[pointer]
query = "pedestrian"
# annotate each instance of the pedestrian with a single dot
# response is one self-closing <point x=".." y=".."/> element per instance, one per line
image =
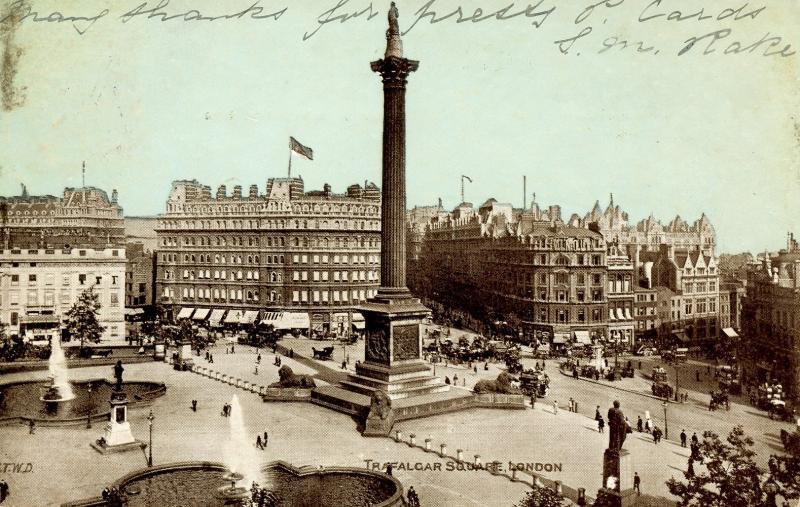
<point x="255" y="372"/>
<point x="690" y="470"/>
<point x="455" y="378"/>
<point x="413" y="499"/>
<point x="3" y="491"/>
<point x="697" y="375"/>
<point x="637" y="482"/>
<point x="683" y="438"/>
<point x="447" y="380"/>
<point x="575" y="373"/>
<point x="600" y="424"/>
<point x="344" y="364"/>
<point x="596" y="375"/>
<point x="597" y="415"/>
<point x="266" y="438"/>
<point x="233" y="350"/>
<point x="533" y="400"/>
<point x="194" y="405"/>
<point x="475" y="369"/>
<point x="639" y="424"/>
<point x="571" y="405"/>
<point x="211" y="358"/>
<point x="259" y="445"/>
<point x="555" y="407"/>
<point x="389" y="469"/>
<point x="695" y="440"/>
<point x="258" y="359"/>
<point x="31" y="427"/>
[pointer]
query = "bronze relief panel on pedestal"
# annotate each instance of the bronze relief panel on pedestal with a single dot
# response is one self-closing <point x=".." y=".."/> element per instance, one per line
<point x="406" y="342"/>
<point x="377" y="346"/>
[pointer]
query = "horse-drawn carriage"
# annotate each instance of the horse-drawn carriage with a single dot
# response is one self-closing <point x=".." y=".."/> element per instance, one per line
<point x="534" y="382"/>
<point x="659" y="374"/>
<point x="779" y="410"/>
<point x="719" y="399"/>
<point x="661" y="389"/>
<point x="324" y="353"/>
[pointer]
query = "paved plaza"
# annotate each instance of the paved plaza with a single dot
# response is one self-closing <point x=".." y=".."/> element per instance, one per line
<point x="305" y="434"/>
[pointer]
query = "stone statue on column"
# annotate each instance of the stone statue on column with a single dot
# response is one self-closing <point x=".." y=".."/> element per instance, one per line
<point x="617" y="426"/>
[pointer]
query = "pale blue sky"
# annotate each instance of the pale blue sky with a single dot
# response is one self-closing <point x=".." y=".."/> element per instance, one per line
<point x="146" y="102"/>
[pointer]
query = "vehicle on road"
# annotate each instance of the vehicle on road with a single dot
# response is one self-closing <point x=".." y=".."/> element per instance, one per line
<point x="662" y="389"/>
<point x="646" y="351"/>
<point x="659" y="374"/>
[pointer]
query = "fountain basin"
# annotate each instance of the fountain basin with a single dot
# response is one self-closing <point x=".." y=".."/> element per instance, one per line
<point x="22" y="401"/>
<point x="197" y="484"/>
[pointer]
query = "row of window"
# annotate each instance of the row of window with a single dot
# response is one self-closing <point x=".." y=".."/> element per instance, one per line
<point x="335" y="296"/>
<point x="254" y="241"/>
<point x="66" y="279"/>
<point x="48" y="298"/>
<point x="699" y="287"/>
<point x="562" y="315"/>
<point x="342" y="276"/>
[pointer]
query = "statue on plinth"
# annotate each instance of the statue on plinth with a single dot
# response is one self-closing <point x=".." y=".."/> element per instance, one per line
<point x="617" y="426"/>
<point x="118" y="369"/>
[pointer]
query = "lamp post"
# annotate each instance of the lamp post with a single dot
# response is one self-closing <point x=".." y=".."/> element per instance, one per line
<point x="666" y="426"/>
<point x="89" y="409"/>
<point x="150" y="447"/>
<point x="677" y="379"/>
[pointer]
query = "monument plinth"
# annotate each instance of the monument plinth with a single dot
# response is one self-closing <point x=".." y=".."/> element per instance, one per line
<point x="617" y="487"/>
<point x="117" y="436"/>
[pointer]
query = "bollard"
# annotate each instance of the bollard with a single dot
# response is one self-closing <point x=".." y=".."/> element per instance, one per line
<point x="557" y="487"/>
<point x="459" y="455"/>
<point x="477" y="460"/>
<point x="514" y="474"/>
<point x="398" y="436"/>
<point x="443" y="449"/>
<point x="427" y="444"/>
<point x="411" y="440"/>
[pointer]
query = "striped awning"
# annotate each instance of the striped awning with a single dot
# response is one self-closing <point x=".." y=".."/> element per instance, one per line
<point x="582" y="336"/>
<point x="39" y="319"/>
<point x="185" y="312"/>
<point x="201" y="313"/>
<point x="271" y="318"/>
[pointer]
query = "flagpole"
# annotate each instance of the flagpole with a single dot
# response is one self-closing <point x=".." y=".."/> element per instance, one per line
<point x="290" y="162"/>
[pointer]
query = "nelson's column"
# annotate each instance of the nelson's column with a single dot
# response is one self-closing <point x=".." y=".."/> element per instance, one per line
<point x="393" y="377"/>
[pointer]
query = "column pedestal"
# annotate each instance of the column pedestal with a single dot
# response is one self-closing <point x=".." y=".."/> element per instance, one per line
<point x="117" y="436"/>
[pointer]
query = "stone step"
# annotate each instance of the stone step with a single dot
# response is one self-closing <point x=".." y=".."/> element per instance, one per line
<point x="396" y="392"/>
<point x="419" y="380"/>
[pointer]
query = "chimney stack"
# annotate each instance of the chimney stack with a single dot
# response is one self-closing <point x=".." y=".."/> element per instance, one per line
<point x="222" y="192"/>
<point x="253" y="191"/>
<point x="237" y="192"/>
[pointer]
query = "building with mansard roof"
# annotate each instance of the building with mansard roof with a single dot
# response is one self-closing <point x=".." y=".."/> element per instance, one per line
<point x="497" y="260"/>
<point x="295" y="259"/>
<point x="53" y="248"/>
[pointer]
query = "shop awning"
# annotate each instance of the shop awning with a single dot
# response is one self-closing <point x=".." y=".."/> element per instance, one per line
<point x="357" y="317"/>
<point x="185" y="312"/>
<point x="39" y="319"/>
<point x="134" y="311"/>
<point x="582" y="337"/>
<point x="201" y="313"/>
<point x="248" y="317"/>
<point x="611" y="315"/>
<point x="271" y="318"/>
<point x="297" y="320"/>
<point x="216" y="316"/>
<point x="233" y="316"/>
<point x="359" y="324"/>
<point x="620" y="315"/>
<point x="628" y="314"/>
<point x="560" y="337"/>
<point x="681" y="336"/>
<point x="730" y="332"/>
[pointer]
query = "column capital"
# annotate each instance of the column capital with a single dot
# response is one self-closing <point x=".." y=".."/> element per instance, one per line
<point x="394" y="70"/>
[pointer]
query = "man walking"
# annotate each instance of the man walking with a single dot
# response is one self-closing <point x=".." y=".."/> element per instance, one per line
<point x="597" y="415"/>
<point x="683" y="438"/>
<point x="637" y="482"/>
<point x="266" y="438"/>
<point x="259" y="445"/>
<point x="639" y="424"/>
<point x="600" y="424"/>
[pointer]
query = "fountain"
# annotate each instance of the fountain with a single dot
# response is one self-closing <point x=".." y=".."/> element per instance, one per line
<point x="240" y="456"/>
<point x="60" y="389"/>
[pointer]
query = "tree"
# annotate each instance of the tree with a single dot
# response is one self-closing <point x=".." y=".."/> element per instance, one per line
<point x="540" y="496"/>
<point x="82" y="320"/>
<point x="730" y="477"/>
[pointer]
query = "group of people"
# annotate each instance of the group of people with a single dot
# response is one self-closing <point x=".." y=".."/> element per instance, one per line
<point x="209" y="357"/>
<point x="412" y="499"/>
<point x="113" y="497"/>
<point x="226" y="410"/>
<point x="262" y="444"/>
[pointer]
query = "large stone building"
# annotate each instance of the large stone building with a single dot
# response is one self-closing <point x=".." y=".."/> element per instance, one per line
<point x="552" y="275"/>
<point x="312" y="256"/>
<point x="53" y="249"/>
<point x="771" y="321"/>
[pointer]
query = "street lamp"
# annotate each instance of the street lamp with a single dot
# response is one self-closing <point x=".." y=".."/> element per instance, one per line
<point x="89" y="409"/>
<point x="677" y="384"/>
<point x="150" y="447"/>
<point x="666" y="426"/>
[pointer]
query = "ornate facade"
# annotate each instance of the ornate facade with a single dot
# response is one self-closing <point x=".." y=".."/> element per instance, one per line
<point x="53" y="249"/>
<point x="315" y="254"/>
<point x="771" y="321"/>
<point x="552" y="275"/>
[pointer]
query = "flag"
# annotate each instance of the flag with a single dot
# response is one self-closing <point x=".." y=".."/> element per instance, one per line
<point x="298" y="148"/>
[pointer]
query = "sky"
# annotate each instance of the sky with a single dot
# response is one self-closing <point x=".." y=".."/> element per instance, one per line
<point x="145" y="101"/>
